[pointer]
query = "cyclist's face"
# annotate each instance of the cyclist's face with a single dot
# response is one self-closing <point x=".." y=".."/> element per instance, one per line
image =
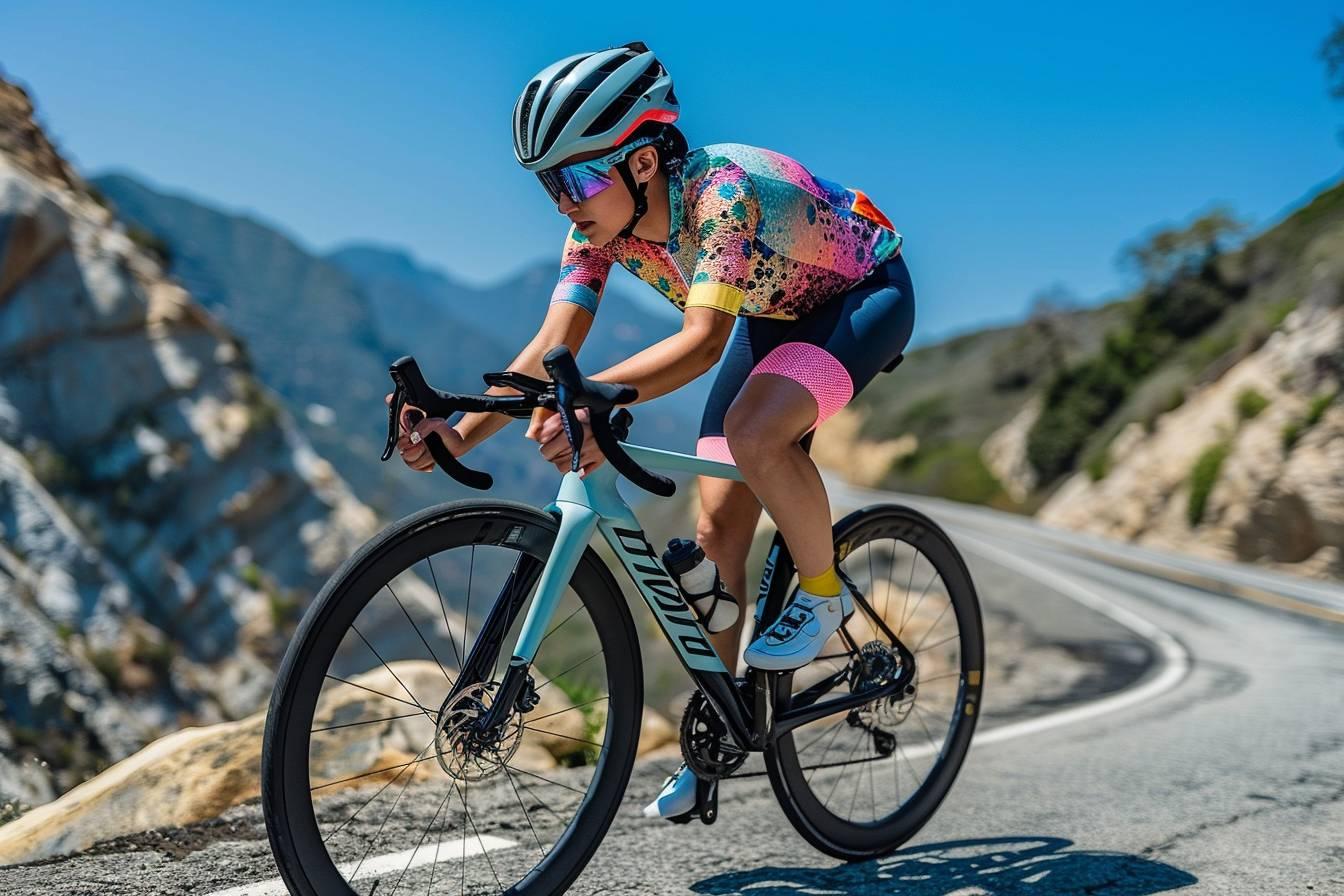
<point x="601" y="217"/>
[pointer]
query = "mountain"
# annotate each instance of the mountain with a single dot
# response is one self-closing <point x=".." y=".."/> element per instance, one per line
<point x="162" y="520"/>
<point x="405" y="293"/>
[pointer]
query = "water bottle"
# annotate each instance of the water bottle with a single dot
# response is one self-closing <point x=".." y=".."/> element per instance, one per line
<point x="698" y="578"/>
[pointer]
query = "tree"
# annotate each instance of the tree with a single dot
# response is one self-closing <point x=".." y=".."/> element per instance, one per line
<point x="1165" y="254"/>
<point x="1332" y="53"/>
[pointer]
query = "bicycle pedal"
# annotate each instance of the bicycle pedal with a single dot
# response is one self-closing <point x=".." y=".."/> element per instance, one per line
<point x="707" y="801"/>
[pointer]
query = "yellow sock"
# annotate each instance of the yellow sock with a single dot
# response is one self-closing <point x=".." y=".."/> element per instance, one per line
<point x="825" y="585"/>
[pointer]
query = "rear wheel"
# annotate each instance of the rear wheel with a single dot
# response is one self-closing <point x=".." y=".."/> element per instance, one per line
<point x="859" y="784"/>
<point x="375" y="770"/>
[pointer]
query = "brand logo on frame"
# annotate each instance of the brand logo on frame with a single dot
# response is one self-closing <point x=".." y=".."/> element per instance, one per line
<point x="665" y="599"/>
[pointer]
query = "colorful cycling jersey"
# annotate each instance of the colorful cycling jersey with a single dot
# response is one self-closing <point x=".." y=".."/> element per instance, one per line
<point x="752" y="232"/>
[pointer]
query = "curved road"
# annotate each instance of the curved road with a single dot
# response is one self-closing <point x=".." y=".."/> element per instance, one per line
<point x="1218" y="769"/>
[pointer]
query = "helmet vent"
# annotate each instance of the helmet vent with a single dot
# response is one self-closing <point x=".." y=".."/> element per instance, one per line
<point x="621" y="106"/>
<point x="520" y="126"/>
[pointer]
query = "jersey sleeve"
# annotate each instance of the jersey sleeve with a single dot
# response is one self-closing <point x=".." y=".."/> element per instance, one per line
<point x="583" y="272"/>
<point x="724" y="217"/>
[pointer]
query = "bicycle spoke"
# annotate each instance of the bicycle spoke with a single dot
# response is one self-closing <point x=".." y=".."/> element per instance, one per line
<point x="437" y="843"/>
<point x="421" y="635"/>
<point x="538" y="688"/>
<point x="560" y="712"/>
<point x="376" y="794"/>
<point x="379" y="832"/>
<point x="519" y="798"/>
<point x="369" y="774"/>
<point x="951" y="637"/>
<point x="409" y="715"/>
<point x="429" y="561"/>
<point x="485" y="852"/>
<point x="839" y="778"/>
<point x="905" y="601"/>
<point x="900" y="631"/>
<point x="420" y="843"/>
<point x="532" y="793"/>
<point x="422" y="709"/>
<point x="354" y="628"/>
<point x="932" y="627"/>
<point x="556" y="628"/>
<point x="558" y="734"/>
<point x="541" y="778"/>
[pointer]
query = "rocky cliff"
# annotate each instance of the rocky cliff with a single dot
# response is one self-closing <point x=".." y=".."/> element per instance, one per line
<point x="161" y="519"/>
<point x="1250" y="467"/>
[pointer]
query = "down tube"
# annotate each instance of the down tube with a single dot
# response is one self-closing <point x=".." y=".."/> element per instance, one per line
<point x="655" y="584"/>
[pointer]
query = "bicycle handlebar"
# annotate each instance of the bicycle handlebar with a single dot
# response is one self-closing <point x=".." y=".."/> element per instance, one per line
<point x="566" y="392"/>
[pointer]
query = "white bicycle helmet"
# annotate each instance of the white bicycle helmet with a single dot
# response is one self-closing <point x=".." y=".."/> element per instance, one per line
<point x="590" y="101"/>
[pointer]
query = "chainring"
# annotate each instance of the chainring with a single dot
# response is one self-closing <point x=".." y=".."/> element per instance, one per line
<point x="706" y="745"/>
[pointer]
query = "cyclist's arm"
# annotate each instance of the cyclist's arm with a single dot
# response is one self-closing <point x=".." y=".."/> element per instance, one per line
<point x="583" y="275"/>
<point x="566" y="323"/>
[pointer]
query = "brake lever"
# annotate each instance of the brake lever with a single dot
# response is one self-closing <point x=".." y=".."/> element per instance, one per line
<point x="393" y="419"/>
<point x="569" y="419"/>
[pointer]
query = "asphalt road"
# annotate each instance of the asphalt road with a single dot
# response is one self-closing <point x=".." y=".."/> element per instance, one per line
<point x="1212" y="762"/>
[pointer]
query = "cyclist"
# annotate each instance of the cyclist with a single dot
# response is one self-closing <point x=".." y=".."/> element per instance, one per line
<point x="796" y="282"/>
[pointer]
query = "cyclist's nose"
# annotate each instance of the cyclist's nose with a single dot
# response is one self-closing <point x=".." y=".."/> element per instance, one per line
<point x="564" y="205"/>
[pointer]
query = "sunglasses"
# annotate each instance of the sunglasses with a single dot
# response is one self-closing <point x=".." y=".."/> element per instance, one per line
<point x="584" y="180"/>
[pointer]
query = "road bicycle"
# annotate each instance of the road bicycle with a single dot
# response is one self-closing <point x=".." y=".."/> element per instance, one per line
<point x="498" y="761"/>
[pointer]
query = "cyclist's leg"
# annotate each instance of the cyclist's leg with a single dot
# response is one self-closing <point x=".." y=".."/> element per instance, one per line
<point x="729" y="510"/>
<point x="824" y="360"/>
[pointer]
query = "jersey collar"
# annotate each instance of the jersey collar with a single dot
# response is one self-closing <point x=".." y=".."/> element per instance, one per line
<point x="675" y="192"/>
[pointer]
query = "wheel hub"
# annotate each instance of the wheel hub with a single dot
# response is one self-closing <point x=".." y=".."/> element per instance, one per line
<point x="878" y="666"/>
<point x="466" y="751"/>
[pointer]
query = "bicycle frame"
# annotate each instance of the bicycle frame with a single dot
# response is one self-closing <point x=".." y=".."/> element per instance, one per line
<point x="593" y="503"/>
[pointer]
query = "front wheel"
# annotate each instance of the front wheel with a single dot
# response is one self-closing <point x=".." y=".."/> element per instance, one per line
<point x="859" y="784"/>
<point x="378" y="772"/>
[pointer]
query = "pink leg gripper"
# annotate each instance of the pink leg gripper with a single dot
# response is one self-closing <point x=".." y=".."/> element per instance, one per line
<point x="714" y="448"/>
<point x="817" y="370"/>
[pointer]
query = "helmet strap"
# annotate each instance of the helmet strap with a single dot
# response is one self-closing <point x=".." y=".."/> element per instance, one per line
<point x="636" y="193"/>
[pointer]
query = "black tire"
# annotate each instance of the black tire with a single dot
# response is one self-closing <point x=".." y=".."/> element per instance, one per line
<point x="836" y="832"/>
<point x="292" y="822"/>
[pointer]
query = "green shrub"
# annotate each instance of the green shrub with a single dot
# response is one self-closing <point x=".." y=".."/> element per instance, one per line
<point x="1203" y="475"/>
<point x="108" y="666"/>
<point x="1250" y="403"/>
<point x="1293" y="429"/>
<point x="1291" y="432"/>
<point x="950" y="470"/>
<point x="251" y="576"/>
<point x="1276" y="313"/>
<point x="1099" y="465"/>
<point x="1316" y="410"/>
<point x="927" y="415"/>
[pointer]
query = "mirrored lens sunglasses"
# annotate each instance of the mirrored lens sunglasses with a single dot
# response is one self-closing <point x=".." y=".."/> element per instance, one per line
<point x="584" y="180"/>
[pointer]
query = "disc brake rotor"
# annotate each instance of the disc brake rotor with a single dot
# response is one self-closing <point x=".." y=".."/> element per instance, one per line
<point x="463" y="750"/>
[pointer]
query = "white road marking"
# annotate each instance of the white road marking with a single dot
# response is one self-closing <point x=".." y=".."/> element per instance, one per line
<point x="447" y="851"/>
<point x="1175" y="659"/>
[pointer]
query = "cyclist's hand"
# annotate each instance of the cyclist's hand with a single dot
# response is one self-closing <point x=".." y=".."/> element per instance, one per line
<point x="412" y="445"/>
<point x="550" y="432"/>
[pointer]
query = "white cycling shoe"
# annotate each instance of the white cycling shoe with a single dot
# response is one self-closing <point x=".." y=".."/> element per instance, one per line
<point x="802" y="629"/>
<point x="677" y="797"/>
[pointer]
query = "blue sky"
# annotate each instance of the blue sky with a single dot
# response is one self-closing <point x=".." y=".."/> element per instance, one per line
<point x="1014" y="145"/>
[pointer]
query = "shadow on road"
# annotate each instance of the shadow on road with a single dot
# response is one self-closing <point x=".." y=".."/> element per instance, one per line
<point x="1000" y="866"/>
